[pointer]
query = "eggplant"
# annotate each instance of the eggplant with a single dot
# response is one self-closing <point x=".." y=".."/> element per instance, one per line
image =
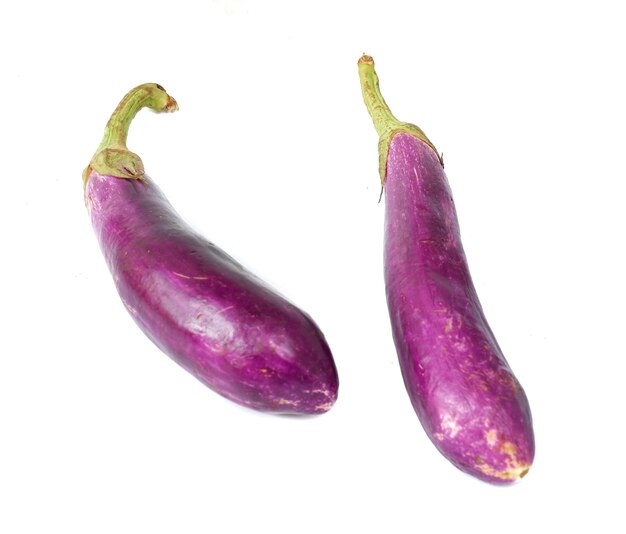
<point x="196" y="303"/>
<point x="464" y="392"/>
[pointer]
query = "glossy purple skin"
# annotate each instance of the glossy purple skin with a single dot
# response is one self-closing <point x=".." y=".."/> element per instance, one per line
<point x="465" y="394"/>
<point x="203" y="309"/>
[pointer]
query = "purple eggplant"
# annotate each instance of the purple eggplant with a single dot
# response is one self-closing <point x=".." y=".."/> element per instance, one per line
<point x="465" y="395"/>
<point x="197" y="304"/>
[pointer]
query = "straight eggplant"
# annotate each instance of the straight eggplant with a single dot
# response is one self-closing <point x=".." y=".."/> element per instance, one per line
<point x="465" y="395"/>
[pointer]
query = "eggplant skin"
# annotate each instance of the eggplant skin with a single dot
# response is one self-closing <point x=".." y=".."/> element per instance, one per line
<point x="203" y="309"/>
<point x="466" y="397"/>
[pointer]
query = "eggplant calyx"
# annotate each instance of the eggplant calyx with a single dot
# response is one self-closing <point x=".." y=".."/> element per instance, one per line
<point x="385" y="123"/>
<point x="113" y="157"/>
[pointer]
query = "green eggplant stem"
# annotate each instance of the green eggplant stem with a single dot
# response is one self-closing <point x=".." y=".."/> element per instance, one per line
<point x="385" y="123"/>
<point x="113" y="157"/>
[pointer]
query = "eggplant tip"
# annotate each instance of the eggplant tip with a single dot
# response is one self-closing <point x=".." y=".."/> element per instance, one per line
<point x="511" y="475"/>
<point x="524" y="472"/>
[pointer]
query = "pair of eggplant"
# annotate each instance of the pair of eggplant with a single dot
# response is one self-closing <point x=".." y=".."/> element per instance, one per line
<point x="251" y="345"/>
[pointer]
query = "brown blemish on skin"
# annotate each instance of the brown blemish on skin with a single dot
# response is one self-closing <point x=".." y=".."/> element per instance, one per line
<point x="492" y="437"/>
<point x="482" y="383"/>
<point x="514" y="470"/>
<point x="490" y="374"/>
<point x="512" y="473"/>
<point x="509" y="449"/>
<point x="507" y="380"/>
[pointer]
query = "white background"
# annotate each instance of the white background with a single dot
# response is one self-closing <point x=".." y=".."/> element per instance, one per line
<point x="273" y="157"/>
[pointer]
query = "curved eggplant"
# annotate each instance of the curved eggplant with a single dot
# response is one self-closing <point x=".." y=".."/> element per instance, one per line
<point x="196" y="303"/>
<point x="466" y="396"/>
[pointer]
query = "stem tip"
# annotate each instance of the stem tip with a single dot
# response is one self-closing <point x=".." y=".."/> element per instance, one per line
<point x="366" y="60"/>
